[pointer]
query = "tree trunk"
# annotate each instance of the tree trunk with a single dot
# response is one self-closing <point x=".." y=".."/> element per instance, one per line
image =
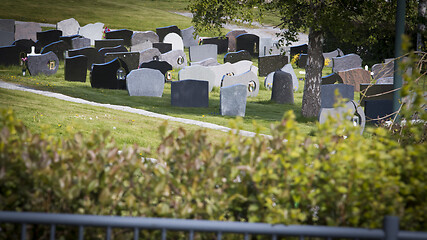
<point x="313" y="76"/>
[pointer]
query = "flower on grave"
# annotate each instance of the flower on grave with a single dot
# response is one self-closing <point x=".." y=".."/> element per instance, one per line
<point x="327" y="61"/>
<point x="295" y="58"/>
<point x="24" y="59"/>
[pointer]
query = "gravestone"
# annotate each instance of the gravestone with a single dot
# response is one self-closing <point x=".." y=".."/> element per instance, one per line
<point x="189" y="93"/>
<point x="282" y="90"/>
<point x="105" y="50"/>
<point x="162" y="66"/>
<point x="47" y="64"/>
<point x="104" y="43"/>
<point x="145" y="82"/>
<point x="355" y="77"/>
<point x="80" y="42"/>
<point x="331" y="79"/>
<point x="329" y="55"/>
<point x="6" y="38"/>
<point x="149" y="55"/>
<point x="207" y="62"/>
<point x="27" y="30"/>
<point x="106" y="75"/>
<point x="7" y="25"/>
<point x="265" y="45"/>
<point x="24" y="45"/>
<point x="93" y="31"/>
<point x="163" y="31"/>
<point x="268" y="64"/>
<point x="248" y="42"/>
<point x="176" y="58"/>
<point x="242" y="67"/>
<point x="268" y="81"/>
<point x="299" y="49"/>
<point x="163" y="47"/>
<point x="75" y="69"/>
<point x="220" y="71"/>
<point x="175" y="40"/>
<point x="327" y="94"/>
<point x="385" y="80"/>
<point x="303" y="60"/>
<point x="233" y="57"/>
<point x="340" y="114"/>
<point x="130" y="58"/>
<point x="68" y="38"/>
<point x="46" y="37"/>
<point x="142" y="37"/>
<point x="201" y="52"/>
<point x="232" y="39"/>
<point x="232" y="100"/>
<point x="375" y="92"/>
<point x="188" y="37"/>
<point x="375" y="109"/>
<point x="382" y="70"/>
<point x="124" y="34"/>
<point x="346" y="62"/>
<point x="68" y="27"/>
<point x="91" y="53"/>
<point x="289" y="69"/>
<point x="142" y="46"/>
<point x="58" y="48"/>
<point x="198" y="72"/>
<point x="9" y="55"/>
<point x="221" y="43"/>
<point x="277" y="49"/>
<point x="249" y="79"/>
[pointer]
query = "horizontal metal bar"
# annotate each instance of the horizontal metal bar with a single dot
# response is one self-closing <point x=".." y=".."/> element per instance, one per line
<point x="407" y="235"/>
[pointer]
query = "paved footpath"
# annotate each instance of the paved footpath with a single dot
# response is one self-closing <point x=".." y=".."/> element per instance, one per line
<point x="12" y="86"/>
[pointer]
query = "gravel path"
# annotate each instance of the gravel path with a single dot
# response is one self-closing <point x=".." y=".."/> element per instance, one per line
<point x="12" y="86"/>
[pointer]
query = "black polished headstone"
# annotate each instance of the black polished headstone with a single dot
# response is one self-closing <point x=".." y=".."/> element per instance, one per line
<point x="331" y="79"/>
<point x="46" y="37"/>
<point x="303" y="60"/>
<point x="105" y="75"/>
<point x="303" y="48"/>
<point x="282" y="90"/>
<point x="233" y="57"/>
<point x="108" y="43"/>
<point x="268" y="64"/>
<point x="248" y="42"/>
<point x="47" y="64"/>
<point x="162" y="66"/>
<point x="58" y="48"/>
<point x="24" y="45"/>
<point x="9" y="55"/>
<point x="163" y="47"/>
<point x="130" y="58"/>
<point x="375" y="109"/>
<point x="375" y="92"/>
<point x="190" y="93"/>
<point x="68" y="39"/>
<point x="222" y="43"/>
<point x="75" y="68"/>
<point x="163" y="31"/>
<point x="105" y="50"/>
<point x="124" y="34"/>
<point x="91" y="53"/>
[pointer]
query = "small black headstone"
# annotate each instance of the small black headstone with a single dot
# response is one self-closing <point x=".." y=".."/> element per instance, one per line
<point x="190" y="93"/>
<point x="9" y="55"/>
<point x="46" y="37"/>
<point x="124" y="34"/>
<point x="130" y="58"/>
<point x="331" y="79"/>
<point x="302" y="61"/>
<point x="107" y="75"/>
<point x="233" y="57"/>
<point x="24" y="45"/>
<point x="163" y="31"/>
<point x="163" y="47"/>
<point x="108" y="43"/>
<point x="248" y="42"/>
<point x="384" y="92"/>
<point x="375" y="109"/>
<point x="162" y="66"/>
<point x="283" y="90"/>
<point x="58" y="48"/>
<point x="303" y="48"/>
<point x="91" y="53"/>
<point x="222" y="43"/>
<point x="75" y="68"/>
<point x="68" y="39"/>
<point x="268" y="64"/>
<point x="105" y="50"/>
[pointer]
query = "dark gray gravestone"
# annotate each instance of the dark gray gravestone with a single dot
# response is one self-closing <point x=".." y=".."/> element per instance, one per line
<point x="384" y="92"/>
<point x="47" y="64"/>
<point x="105" y="50"/>
<point x="149" y="55"/>
<point x="188" y="37"/>
<point x="268" y="64"/>
<point x="142" y="37"/>
<point x="108" y="43"/>
<point x="289" y="69"/>
<point x="80" y="42"/>
<point x="233" y="100"/>
<point x="248" y="42"/>
<point x="145" y="82"/>
<point x="106" y="75"/>
<point x="189" y="93"/>
<point x="331" y="79"/>
<point x="124" y="34"/>
<point x="6" y="38"/>
<point x="163" y="31"/>
<point x="375" y="109"/>
<point x="282" y="90"/>
<point x="27" y="30"/>
<point x="75" y="69"/>
<point x="7" y="25"/>
<point x="176" y="58"/>
<point x="163" y="47"/>
<point x="162" y="66"/>
<point x="249" y="79"/>
<point x="58" y="48"/>
<point x="9" y="55"/>
<point x="222" y="43"/>
<point x="68" y="39"/>
<point x="130" y="58"/>
<point x="46" y="37"/>
<point x="302" y="61"/>
<point x="232" y="39"/>
<point x="383" y="70"/>
<point x="91" y="53"/>
<point x="303" y="48"/>
<point x="24" y="45"/>
<point x="201" y="52"/>
<point x="327" y="94"/>
<point x="233" y="57"/>
<point x="346" y="62"/>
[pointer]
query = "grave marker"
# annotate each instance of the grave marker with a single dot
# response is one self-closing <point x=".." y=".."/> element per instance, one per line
<point x="163" y="47"/>
<point x="248" y="42"/>
<point x="232" y="39"/>
<point x="282" y="90"/>
<point x="176" y="58"/>
<point x="142" y="37"/>
<point x="93" y="31"/>
<point x="149" y="55"/>
<point x="124" y="34"/>
<point x="233" y="57"/>
<point x="327" y="94"/>
<point x="103" y="43"/>
<point x="188" y="38"/>
<point x="110" y="75"/>
<point x="91" y="53"/>
<point x="201" y="52"/>
<point x="189" y="93"/>
<point x="346" y="62"/>
<point x="45" y="63"/>
<point x="163" y="31"/>
<point x="221" y="43"/>
<point x="9" y="55"/>
<point x="68" y="27"/>
<point x="355" y="77"/>
<point x="27" y="30"/>
<point x="233" y="100"/>
<point x="268" y="64"/>
<point x="75" y="68"/>
<point x="58" y="48"/>
<point x="162" y="66"/>
<point x="130" y="58"/>
<point x="145" y="82"/>
<point x="198" y="72"/>
<point x="249" y="79"/>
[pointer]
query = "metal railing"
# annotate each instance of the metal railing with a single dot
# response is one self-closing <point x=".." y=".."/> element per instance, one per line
<point x="390" y="229"/>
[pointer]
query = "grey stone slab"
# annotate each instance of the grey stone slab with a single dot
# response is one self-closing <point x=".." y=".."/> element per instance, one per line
<point x="7" y="25"/>
<point x="242" y="66"/>
<point x="163" y="31"/>
<point x="58" y="48"/>
<point x="124" y="34"/>
<point x="130" y="58"/>
<point x="47" y="64"/>
<point x="198" y="72"/>
<point x="233" y="100"/>
<point x="282" y="90"/>
<point x="383" y="70"/>
<point x="104" y="43"/>
<point x="327" y="94"/>
<point x="6" y="38"/>
<point x="141" y="46"/>
<point x="93" y="31"/>
<point x="268" y="64"/>
<point x="249" y="79"/>
<point x="232" y="39"/>
<point x="176" y="58"/>
<point x="265" y="45"/>
<point x="346" y="62"/>
<point x="189" y="93"/>
<point x="175" y="40"/>
<point x="80" y="42"/>
<point x="207" y="62"/>
<point x="289" y="69"/>
<point x="329" y="55"/>
<point x="68" y="26"/>
<point x="340" y="114"/>
<point x="145" y="82"/>
<point x="149" y="55"/>
<point x="75" y="68"/>
<point x="201" y="52"/>
<point x="142" y="37"/>
<point x="188" y="37"/>
<point x="27" y="30"/>
<point x="220" y="71"/>
<point x="331" y="79"/>
<point x="233" y="57"/>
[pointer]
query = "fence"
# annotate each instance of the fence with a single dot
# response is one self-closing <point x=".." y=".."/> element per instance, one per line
<point x="390" y="229"/>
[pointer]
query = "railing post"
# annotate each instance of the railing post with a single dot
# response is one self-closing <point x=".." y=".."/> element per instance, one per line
<point x="108" y="235"/>
<point x="274" y="237"/>
<point x="191" y="235"/>
<point x="52" y="231"/>
<point x="391" y="227"/>
<point x="135" y="234"/>
<point x="81" y="232"/>
<point x="163" y="234"/>
<point x="219" y="236"/>
<point x="23" y="231"/>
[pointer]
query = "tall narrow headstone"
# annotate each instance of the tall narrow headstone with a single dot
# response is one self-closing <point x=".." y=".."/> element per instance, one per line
<point x="282" y="91"/>
<point x="233" y="100"/>
<point x="75" y="68"/>
<point x="289" y="69"/>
